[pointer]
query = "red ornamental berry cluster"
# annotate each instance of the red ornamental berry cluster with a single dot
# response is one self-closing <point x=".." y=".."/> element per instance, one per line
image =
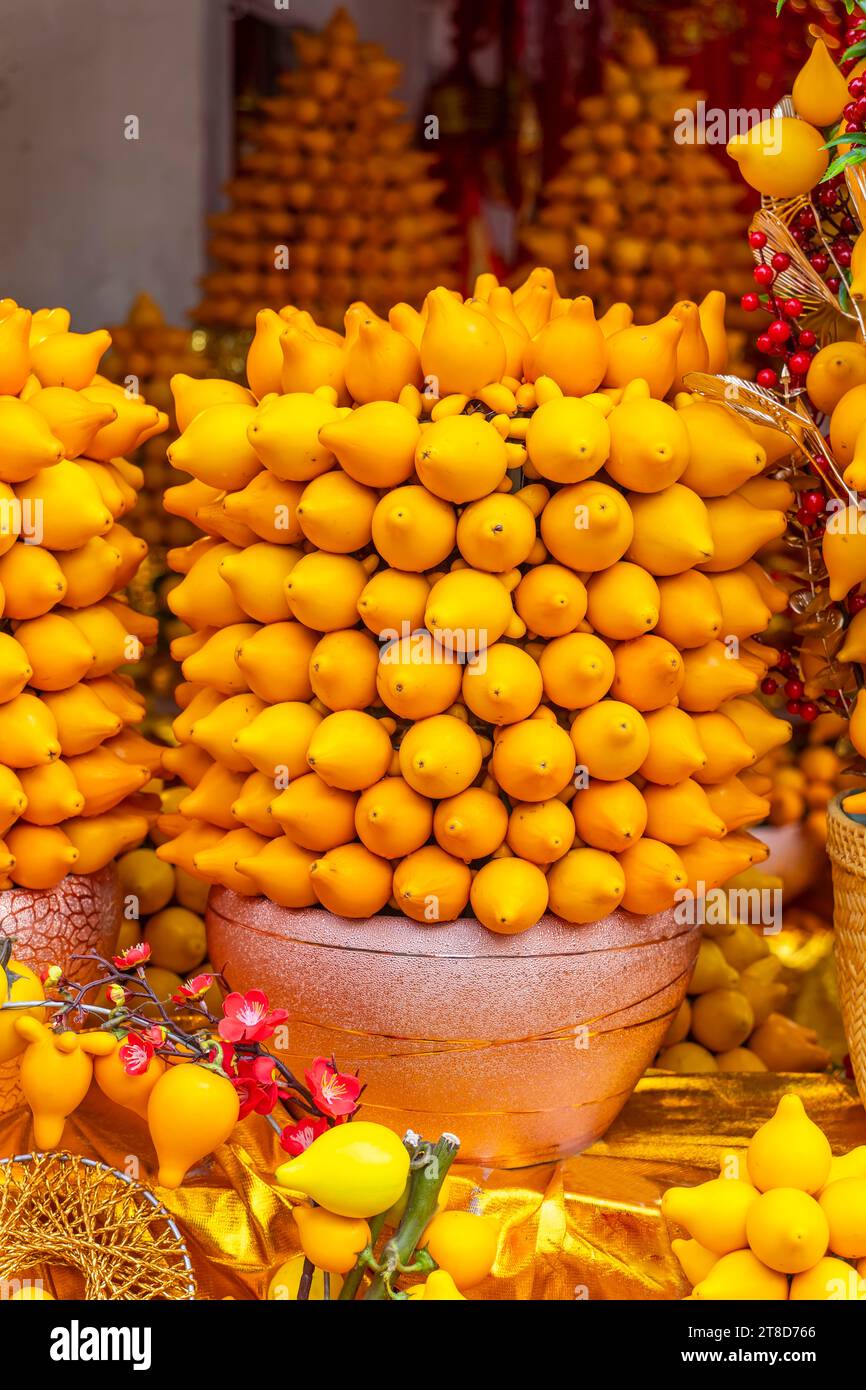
<point x="793" y="688"/>
<point x="811" y="511"/>
<point x="781" y="339"/>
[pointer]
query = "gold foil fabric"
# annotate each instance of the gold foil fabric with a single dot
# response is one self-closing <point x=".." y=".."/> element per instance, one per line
<point x="587" y="1228"/>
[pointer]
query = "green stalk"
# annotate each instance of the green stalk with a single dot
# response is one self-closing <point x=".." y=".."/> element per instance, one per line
<point x="429" y="1169"/>
<point x="352" y="1281"/>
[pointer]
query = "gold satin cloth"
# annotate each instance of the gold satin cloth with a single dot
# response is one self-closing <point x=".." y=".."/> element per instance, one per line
<point x="589" y="1227"/>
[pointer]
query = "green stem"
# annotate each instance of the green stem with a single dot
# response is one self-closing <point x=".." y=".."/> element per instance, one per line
<point x="353" y="1279"/>
<point x="428" y="1172"/>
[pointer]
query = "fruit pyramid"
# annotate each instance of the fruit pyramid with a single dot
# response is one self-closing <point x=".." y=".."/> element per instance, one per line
<point x="71" y="762"/>
<point x="487" y="645"/>
<point x="331" y="184"/>
<point x="656" y="218"/>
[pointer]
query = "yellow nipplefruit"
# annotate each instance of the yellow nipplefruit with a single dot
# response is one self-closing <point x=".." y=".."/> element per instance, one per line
<point x="789" y="1150"/>
<point x="350" y="750"/>
<point x="412" y="678"/>
<point x="503" y="684"/>
<point x="431" y="885"/>
<point x="649" y="672"/>
<point x="462" y="350"/>
<point x="440" y="756"/>
<point x="843" y="1204"/>
<point x="610" y="740"/>
<point x="374" y="444"/>
<point x="471" y="825"/>
<point x="541" y="831"/>
<point x="623" y="601"/>
<point x="68" y="359"/>
<point x="820" y="91"/>
<point x="577" y="670"/>
<point x="336" y="513"/>
<point x="835" y="369"/>
<point x="380" y="362"/>
<point x="648" y="351"/>
<point x="740" y="1276"/>
<point x="690" y="610"/>
<point x="468" y="610"/>
<point x="496" y="533"/>
<point x="533" y="760"/>
<point x="412" y="529"/>
<point x="586" y="885"/>
<point x="587" y="526"/>
<point x="780" y="157"/>
<point x="681" y="813"/>
<point x="281" y="870"/>
<point x="351" y="881"/>
<point x="671" y="530"/>
<point x="649" y="445"/>
<point x="723" y="453"/>
<point x="284" y="434"/>
<point x="609" y="815"/>
<point x="570" y="349"/>
<point x="392" y="819"/>
<point x="461" y="457"/>
<point x="550" y="599"/>
<point x="787" y="1230"/>
<point x="509" y="895"/>
<point x="654" y="873"/>
<point x="275" y="661"/>
<point x="567" y="439"/>
<point x="714" y="1213"/>
<point x="323" y="590"/>
<point x="314" y="815"/>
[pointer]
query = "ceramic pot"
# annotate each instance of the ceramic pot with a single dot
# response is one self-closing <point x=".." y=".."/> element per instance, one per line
<point x="50" y="926"/>
<point x="526" y="1047"/>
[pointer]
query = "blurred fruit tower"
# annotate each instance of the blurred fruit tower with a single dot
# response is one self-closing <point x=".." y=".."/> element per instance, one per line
<point x="71" y="760"/>
<point x="330" y="184"/>
<point x="361" y="537"/>
<point x="658" y="219"/>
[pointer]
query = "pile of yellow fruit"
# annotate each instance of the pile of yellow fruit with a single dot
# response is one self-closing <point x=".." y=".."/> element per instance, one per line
<point x="330" y="200"/>
<point x="472" y="618"/>
<point x="791" y="1226"/>
<point x="633" y="214"/>
<point x="71" y="761"/>
<point x="731" y="1019"/>
<point x="799" y="784"/>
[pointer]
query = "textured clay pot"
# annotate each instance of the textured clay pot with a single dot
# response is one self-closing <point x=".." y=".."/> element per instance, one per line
<point x="526" y="1047"/>
<point x="50" y="926"/>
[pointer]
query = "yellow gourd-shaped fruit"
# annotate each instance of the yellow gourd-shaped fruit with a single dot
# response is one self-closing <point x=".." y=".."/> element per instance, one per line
<point x="587" y="526"/>
<point x="343" y="668"/>
<point x="281" y="870"/>
<point x="12" y="802"/>
<point x="275" y="660"/>
<point x="351" y="881"/>
<point x="586" y="885"/>
<point x="279" y="737"/>
<point x="392" y="819"/>
<point x="21" y="985"/>
<point x="576" y="670"/>
<point x="191" y="1111"/>
<point x="54" y="1079"/>
<point x="849" y="1165"/>
<point x="257" y="578"/>
<point x="623" y="601"/>
<point x="71" y="417"/>
<point x="540" y="831"/>
<point x="739" y="1059"/>
<point x="496" y="533"/>
<point x="15" y="668"/>
<point x="215" y="447"/>
<point x="264" y="363"/>
<point x="726" y="751"/>
<point x="533" y="760"/>
<point x="52" y="794"/>
<point x="374" y="444"/>
<point x="350" y="750"/>
<point x="722" y="1019"/>
<point x="413" y="529"/>
<point x="648" y="672"/>
<point x="104" y="779"/>
<point x="356" y="1170"/>
<point x="713" y="1213"/>
<point x="440" y="756"/>
<point x="679" y="814"/>
<point x="744" y="612"/>
<point x="723" y="451"/>
<point x="69" y="503"/>
<point x="82" y="718"/>
<point x="789" y="1150"/>
<point x="461" y="457"/>
<point x="471" y="825"/>
<point x="336" y="513"/>
<point x="713" y="676"/>
<point x="780" y="157"/>
<point x="323" y="590"/>
<point x="58" y="654"/>
<point x="571" y="350"/>
<point x="267" y="505"/>
<point x="392" y="603"/>
<point x="843" y="1204"/>
<point x="212" y="799"/>
<point x="284" y="434"/>
<point x="550" y="599"/>
<point x="380" y="362"/>
<point x="787" y="1230"/>
<point x="330" y="1242"/>
<point x="314" y="815"/>
<point x="654" y="873"/>
<point x="220" y="863"/>
<point x="27" y="441"/>
<point x="28" y="732"/>
<point x="98" y="839"/>
<point x="738" y="529"/>
<point x="847" y="420"/>
<point x="468" y="610"/>
<point x="690" y="609"/>
<point x="503" y="684"/>
<point x="463" y="1244"/>
<point x="134" y="420"/>
<point x="671" y="530"/>
<point x="844" y="550"/>
<point x="509" y="895"/>
<point x="514" y="333"/>
<point x="431" y="885"/>
<point x="15" y="356"/>
<point x="761" y="730"/>
<point x="648" y="351"/>
<point x="567" y="439"/>
<point x="820" y="91"/>
<point x="829" y="1279"/>
<point x="131" y="1091"/>
<point x="69" y="359"/>
<point x="610" y="740"/>
<point x="462" y="351"/>
<point x="412" y="679"/>
<point x="649" y="445"/>
<point x="835" y="369"/>
<point x="736" y="805"/>
<point x="740" y="1276"/>
<point x="694" y="1260"/>
<point x="687" y="1058"/>
<point x="203" y="598"/>
<point x="712" y="315"/>
<point x="310" y="361"/>
<point x="693" y="353"/>
<point x="90" y="572"/>
<point x="609" y="815"/>
<point x="193" y="394"/>
<point x="214" y="662"/>
<point x="252" y="803"/>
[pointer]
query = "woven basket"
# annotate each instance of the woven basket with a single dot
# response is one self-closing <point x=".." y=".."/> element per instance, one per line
<point x="846" y="846"/>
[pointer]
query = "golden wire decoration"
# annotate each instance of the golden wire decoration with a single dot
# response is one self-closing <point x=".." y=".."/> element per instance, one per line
<point x="64" y="1210"/>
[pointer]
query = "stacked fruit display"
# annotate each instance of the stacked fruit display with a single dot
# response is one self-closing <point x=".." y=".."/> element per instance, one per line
<point x="788" y="1223"/>
<point x="605" y="227"/>
<point x="330" y="201"/>
<point x="731" y="1019"/>
<point x="489" y="644"/>
<point x="70" y="761"/>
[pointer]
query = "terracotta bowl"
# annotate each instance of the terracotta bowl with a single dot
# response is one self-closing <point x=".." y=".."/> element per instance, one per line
<point x="526" y="1047"/>
<point x="52" y="925"/>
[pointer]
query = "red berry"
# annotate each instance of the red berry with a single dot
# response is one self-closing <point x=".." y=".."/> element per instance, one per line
<point x="856" y="87"/>
<point x="793" y="308"/>
<point x="820" y="261"/>
<point x="860" y="109"/>
<point x="781" y="261"/>
<point x="764" y="342"/>
<point x="856" y="603"/>
<point x="843" y="255"/>
<point x="813" y="501"/>
<point x="805" y="218"/>
<point x="799" y="363"/>
<point x="769" y="686"/>
<point x="758" y="240"/>
<point x="850" y="111"/>
<point x="848" y="225"/>
<point x="794" y="689"/>
<point x="793" y="707"/>
<point x="828" y="197"/>
<point x="786" y="661"/>
<point x="779" y="331"/>
<point x="851" y="128"/>
<point x="806" y="339"/>
<point x="750" y="302"/>
<point x="805" y="518"/>
<point x="833" y="282"/>
<point x="763" y="275"/>
<point x="767" y="378"/>
<point x="809" y="711"/>
<point x="832" y="694"/>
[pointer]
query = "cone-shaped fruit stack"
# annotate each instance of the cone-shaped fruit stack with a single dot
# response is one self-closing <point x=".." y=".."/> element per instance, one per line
<point x="71" y="762"/>
<point x="330" y="202"/>
<point x="488" y="646"/>
<point x="641" y="210"/>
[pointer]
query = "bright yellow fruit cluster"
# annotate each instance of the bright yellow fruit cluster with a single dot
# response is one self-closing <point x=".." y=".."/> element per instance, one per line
<point x="70" y="762"/>
<point x="472" y="618"/>
<point x="330" y="200"/>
